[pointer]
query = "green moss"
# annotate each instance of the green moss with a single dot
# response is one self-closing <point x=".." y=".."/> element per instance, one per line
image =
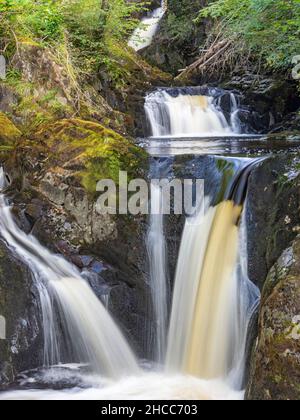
<point x="36" y="106"/>
<point x="8" y="132"/>
<point x="95" y="152"/>
<point x="125" y="67"/>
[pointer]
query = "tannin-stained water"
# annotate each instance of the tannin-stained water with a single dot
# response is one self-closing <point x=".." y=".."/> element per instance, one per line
<point x="213" y="300"/>
<point x="209" y="342"/>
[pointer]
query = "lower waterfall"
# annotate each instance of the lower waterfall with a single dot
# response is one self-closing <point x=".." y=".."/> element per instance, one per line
<point x="204" y="339"/>
<point x="213" y="300"/>
<point x="93" y="335"/>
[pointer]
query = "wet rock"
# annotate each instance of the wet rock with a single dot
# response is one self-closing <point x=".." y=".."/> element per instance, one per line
<point x="290" y="124"/>
<point x="34" y="210"/>
<point x="275" y="373"/>
<point x="19" y="304"/>
<point x="273" y="200"/>
<point x="176" y="44"/>
<point x="272" y="98"/>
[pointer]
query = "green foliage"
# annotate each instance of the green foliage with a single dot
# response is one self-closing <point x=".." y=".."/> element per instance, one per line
<point x="179" y="28"/>
<point x="119" y="20"/>
<point x="42" y="19"/>
<point x="88" y="25"/>
<point x="269" y="28"/>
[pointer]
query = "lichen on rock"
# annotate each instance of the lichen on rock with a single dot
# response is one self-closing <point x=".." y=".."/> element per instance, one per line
<point x="276" y="358"/>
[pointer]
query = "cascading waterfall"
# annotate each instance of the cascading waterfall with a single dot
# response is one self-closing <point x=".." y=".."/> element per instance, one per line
<point x="93" y="335"/>
<point x="234" y="115"/>
<point x="156" y="246"/>
<point x="193" y="114"/>
<point x="213" y="299"/>
<point x="142" y="37"/>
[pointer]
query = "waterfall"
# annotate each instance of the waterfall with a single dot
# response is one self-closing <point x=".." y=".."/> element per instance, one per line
<point x="156" y="246"/>
<point x="213" y="299"/>
<point x="93" y="336"/>
<point x="234" y="114"/>
<point x="142" y="37"/>
<point x="181" y="114"/>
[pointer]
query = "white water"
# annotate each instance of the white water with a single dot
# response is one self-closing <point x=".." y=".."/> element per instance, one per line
<point x="146" y="386"/>
<point x="156" y="246"/>
<point x="234" y="119"/>
<point x="212" y="280"/>
<point x="91" y="332"/>
<point x="189" y="116"/>
<point x="142" y="37"/>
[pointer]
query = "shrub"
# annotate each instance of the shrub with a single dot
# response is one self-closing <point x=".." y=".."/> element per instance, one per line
<point x="270" y="29"/>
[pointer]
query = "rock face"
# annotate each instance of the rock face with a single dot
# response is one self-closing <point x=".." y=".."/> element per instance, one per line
<point x="290" y="124"/>
<point x="275" y="371"/>
<point x="19" y="305"/>
<point x="272" y="98"/>
<point x="273" y="213"/>
<point x="178" y="39"/>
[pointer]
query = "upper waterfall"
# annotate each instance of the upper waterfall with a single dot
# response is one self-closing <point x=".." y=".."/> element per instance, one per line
<point x="195" y="112"/>
<point x="142" y="37"/>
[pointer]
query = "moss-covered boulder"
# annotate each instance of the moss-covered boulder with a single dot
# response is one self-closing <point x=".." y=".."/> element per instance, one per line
<point x="62" y="163"/>
<point x="90" y="150"/>
<point x="276" y="358"/>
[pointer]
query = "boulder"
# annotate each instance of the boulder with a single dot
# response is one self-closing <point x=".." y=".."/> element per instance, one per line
<point x="22" y="349"/>
<point x="275" y="371"/>
<point x="273" y="98"/>
<point x="272" y="212"/>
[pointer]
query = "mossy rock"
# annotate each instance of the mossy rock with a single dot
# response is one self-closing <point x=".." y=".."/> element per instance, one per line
<point x="276" y="366"/>
<point x="90" y="150"/>
<point x="8" y="133"/>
